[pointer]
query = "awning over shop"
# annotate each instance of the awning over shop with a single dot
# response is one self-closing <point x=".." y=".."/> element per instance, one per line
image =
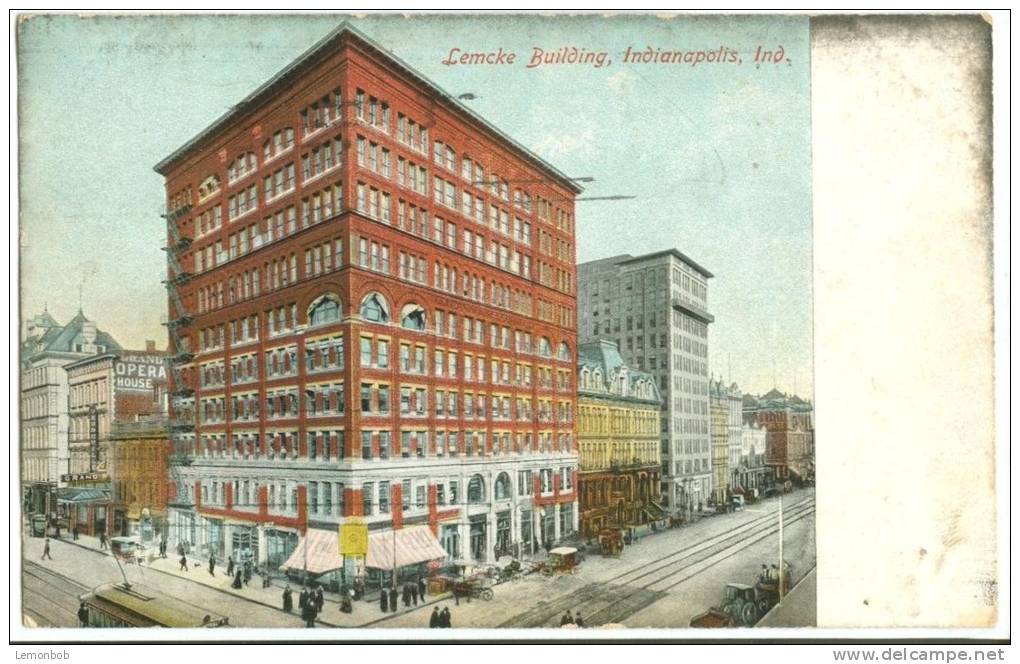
<point x="409" y="546"/>
<point x="317" y="552"/>
<point x="82" y="495"/>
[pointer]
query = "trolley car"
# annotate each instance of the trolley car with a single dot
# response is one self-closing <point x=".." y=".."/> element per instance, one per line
<point x="119" y="605"/>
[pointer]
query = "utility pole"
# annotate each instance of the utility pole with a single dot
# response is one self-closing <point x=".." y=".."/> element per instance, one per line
<point x="782" y="572"/>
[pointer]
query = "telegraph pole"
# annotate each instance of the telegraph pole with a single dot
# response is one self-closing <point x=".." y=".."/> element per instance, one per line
<point x="782" y="572"/>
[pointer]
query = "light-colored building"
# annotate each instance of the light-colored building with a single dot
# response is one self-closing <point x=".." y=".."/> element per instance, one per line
<point x="47" y="348"/>
<point x="719" y="415"/>
<point x="655" y="307"/>
<point x="618" y="441"/>
<point x="751" y="474"/>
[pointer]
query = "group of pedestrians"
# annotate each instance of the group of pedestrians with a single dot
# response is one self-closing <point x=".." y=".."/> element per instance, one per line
<point x="439" y="619"/>
<point x="310" y="603"/>
<point x="410" y="594"/>
<point x="569" y="619"/>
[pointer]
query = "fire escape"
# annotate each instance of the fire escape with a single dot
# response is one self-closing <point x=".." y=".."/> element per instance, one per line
<point x="181" y="420"/>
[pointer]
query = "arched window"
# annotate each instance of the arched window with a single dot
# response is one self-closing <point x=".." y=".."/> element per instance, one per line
<point x="476" y="490"/>
<point x="374" y="309"/>
<point x="501" y="489"/>
<point x="325" y="309"/>
<point x="564" y="352"/>
<point x="544" y="347"/>
<point x="412" y="317"/>
<point x="597" y="379"/>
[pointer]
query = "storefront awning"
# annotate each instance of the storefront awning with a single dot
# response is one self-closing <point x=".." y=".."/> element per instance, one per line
<point x="81" y="495"/>
<point x="317" y="552"/>
<point x="409" y="546"/>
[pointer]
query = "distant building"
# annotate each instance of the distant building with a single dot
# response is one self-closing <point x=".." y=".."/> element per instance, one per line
<point x="139" y="457"/>
<point x="789" y="421"/>
<point x="47" y="347"/>
<point x="656" y="309"/>
<point x="751" y="474"/>
<point x="719" y="413"/>
<point x="118" y="386"/>
<point x="618" y="441"/>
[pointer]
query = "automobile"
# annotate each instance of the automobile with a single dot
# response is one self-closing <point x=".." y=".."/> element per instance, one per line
<point x="737" y="502"/>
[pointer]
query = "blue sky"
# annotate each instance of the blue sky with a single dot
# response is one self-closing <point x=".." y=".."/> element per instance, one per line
<point x="717" y="155"/>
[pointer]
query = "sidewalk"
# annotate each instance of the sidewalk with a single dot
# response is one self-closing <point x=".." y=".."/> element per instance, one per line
<point x="364" y="613"/>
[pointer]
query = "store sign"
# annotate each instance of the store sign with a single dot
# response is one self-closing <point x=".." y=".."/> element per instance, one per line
<point x="139" y="373"/>
<point x="354" y="539"/>
<point x="84" y="477"/>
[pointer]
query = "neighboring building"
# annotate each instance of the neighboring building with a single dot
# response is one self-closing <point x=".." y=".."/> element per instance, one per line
<point x="373" y="312"/>
<point x="618" y="441"/>
<point x="719" y="413"/>
<point x="139" y="458"/>
<point x="656" y="309"/>
<point x="47" y="347"/>
<point x="735" y="425"/>
<point x="118" y="386"/>
<point x="789" y="421"/>
<point x="752" y="476"/>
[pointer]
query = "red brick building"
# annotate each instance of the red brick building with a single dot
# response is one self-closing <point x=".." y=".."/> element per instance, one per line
<point x="372" y="293"/>
<point x="789" y="422"/>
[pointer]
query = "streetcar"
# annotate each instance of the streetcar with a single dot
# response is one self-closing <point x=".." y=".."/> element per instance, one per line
<point x="121" y="605"/>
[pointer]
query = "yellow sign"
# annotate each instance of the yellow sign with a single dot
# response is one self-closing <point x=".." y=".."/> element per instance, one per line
<point x="354" y="538"/>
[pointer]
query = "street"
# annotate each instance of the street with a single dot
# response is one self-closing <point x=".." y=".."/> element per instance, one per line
<point x="662" y="580"/>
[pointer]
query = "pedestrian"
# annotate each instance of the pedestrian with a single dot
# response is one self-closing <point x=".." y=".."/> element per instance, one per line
<point x="46" y="550"/>
<point x="567" y="619"/>
<point x="288" y="599"/>
<point x="421" y="589"/>
<point x="212" y="565"/>
<point x="414" y="593"/>
<point x="578" y="621"/>
<point x="384" y="601"/>
<point x="102" y="539"/>
<point x="320" y="600"/>
<point x="230" y="566"/>
<point x="236" y="585"/>
<point x="393" y="599"/>
<point x="303" y="598"/>
<point x="247" y="571"/>
<point x="83" y="615"/>
<point x="74" y="533"/>
<point x="345" y="602"/>
<point x="308" y="614"/>
<point x="764" y="575"/>
<point x="444" y="618"/>
<point x="405" y="595"/>
<point x="434" y="619"/>
<point x="57" y="524"/>
<point x="184" y="563"/>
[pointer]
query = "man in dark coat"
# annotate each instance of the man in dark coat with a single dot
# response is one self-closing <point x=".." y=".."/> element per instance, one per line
<point x="74" y="533"/>
<point x="102" y="540"/>
<point x="288" y="599"/>
<point x="230" y="566"/>
<point x="46" y="550"/>
<point x="303" y="598"/>
<point x="308" y="614"/>
<point x="184" y="563"/>
<point x="393" y="599"/>
<point x="421" y="589"/>
<point x="83" y="615"/>
<point x="320" y="600"/>
<point x="247" y="571"/>
<point x="578" y="621"/>
<point x="212" y="565"/>
<point x="236" y="585"/>
<point x="384" y="601"/>
<point x="405" y="595"/>
<point x="444" y="618"/>
<point x="567" y="619"/>
<point x="434" y="619"/>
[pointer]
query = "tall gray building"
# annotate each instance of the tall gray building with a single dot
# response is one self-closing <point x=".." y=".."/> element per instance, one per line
<point x="655" y="307"/>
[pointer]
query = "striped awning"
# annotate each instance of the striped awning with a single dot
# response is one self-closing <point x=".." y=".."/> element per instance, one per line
<point x="317" y="552"/>
<point x="409" y="546"/>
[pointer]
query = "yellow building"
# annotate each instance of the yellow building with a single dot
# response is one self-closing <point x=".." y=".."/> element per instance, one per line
<point x="618" y="441"/>
<point x="719" y="419"/>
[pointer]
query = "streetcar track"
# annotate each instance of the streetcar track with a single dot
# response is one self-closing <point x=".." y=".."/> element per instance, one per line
<point x="736" y="548"/>
<point x="700" y="546"/>
<point x="643" y="596"/>
<point x="707" y="544"/>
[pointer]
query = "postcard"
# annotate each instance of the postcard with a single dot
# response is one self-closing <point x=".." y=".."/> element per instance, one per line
<point x="553" y="326"/>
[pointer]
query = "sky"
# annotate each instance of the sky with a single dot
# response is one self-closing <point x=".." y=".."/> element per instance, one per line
<point x="716" y="155"/>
